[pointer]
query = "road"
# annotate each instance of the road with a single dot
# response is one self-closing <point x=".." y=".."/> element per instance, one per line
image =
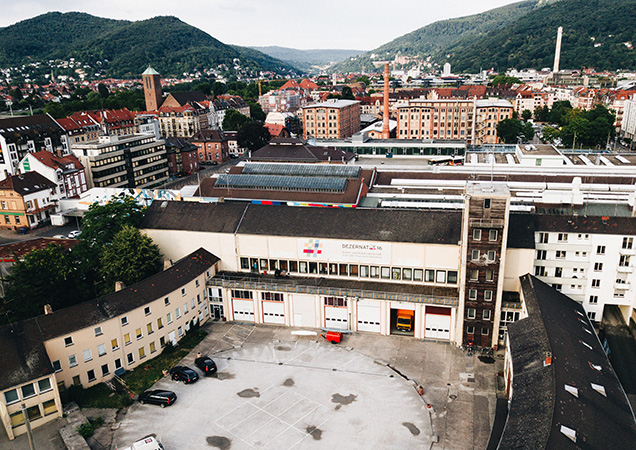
<point x="623" y="350"/>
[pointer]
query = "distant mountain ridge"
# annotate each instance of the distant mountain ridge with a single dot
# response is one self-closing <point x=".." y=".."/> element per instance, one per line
<point x="306" y="59"/>
<point x="170" y="45"/>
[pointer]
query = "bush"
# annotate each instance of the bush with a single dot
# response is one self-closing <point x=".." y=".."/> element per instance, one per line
<point x="98" y="396"/>
<point x="86" y="430"/>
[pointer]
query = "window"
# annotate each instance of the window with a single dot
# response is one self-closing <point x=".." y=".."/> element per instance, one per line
<point x="628" y="242"/>
<point x="117" y="364"/>
<point x="429" y="276"/>
<point x="160" y="323"/>
<point x="396" y="273"/>
<point x="192" y="302"/>
<point x="166" y="301"/>
<point x="11" y="396"/>
<point x="541" y="254"/>
<point x="196" y="283"/>
<point x="473" y="275"/>
<point x="185" y="308"/>
<point x="492" y="235"/>
<point x="474" y="255"/>
<point x="105" y="370"/>
<point x="491" y="255"/>
<point x="98" y="331"/>
<point x="180" y="331"/>
<point x="147" y="310"/>
<point x="561" y="254"/>
<point x="57" y="366"/>
<point x="162" y="341"/>
<point x="72" y="360"/>
<point x="472" y="294"/>
<point x="486" y="203"/>
<point x="558" y="287"/>
<point x="178" y="313"/>
<point x="558" y="272"/>
<point x="138" y="333"/>
<point x="596" y="283"/>
<point x="490" y="275"/>
<point x="364" y="271"/>
<point x="88" y="355"/>
<point x="477" y="234"/>
<point x="142" y="353"/>
<point x="470" y="313"/>
<point x="130" y="358"/>
<point x="153" y="348"/>
<point x="488" y="296"/>
<point x="49" y="407"/>
<point x="91" y="375"/>
<point x="624" y="261"/>
<point x="124" y="320"/>
<point x="28" y="390"/>
<point x="149" y="328"/>
<point x="418" y="274"/>
<point x="169" y="318"/>
<point x="543" y="238"/>
<point x="539" y="271"/>
<point x="486" y="314"/>
<point x="375" y="271"/>
<point x="127" y="339"/>
<point x="68" y="341"/>
<point x="407" y="274"/>
<point x="470" y="330"/>
<point x="593" y="299"/>
<point x="600" y="250"/>
<point x="485" y="331"/>
<point x="452" y="276"/>
<point x="335" y="301"/>
<point x="183" y="292"/>
<point x="598" y="267"/>
<point x="562" y="237"/>
<point x="385" y="272"/>
<point x="440" y="276"/>
<point x="101" y="349"/>
<point x="591" y="315"/>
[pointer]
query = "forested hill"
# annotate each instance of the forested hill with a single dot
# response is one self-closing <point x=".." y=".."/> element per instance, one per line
<point x="170" y="45"/>
<point x="596" y="33"/>
<point x="435" y="38"/>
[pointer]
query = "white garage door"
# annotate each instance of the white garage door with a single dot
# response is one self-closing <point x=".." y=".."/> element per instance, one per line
<point x="243" y="310"/>
<point x="274" y="312"/>
<point x="336" y="317"/>
<point x="369" y="316"/>
<point x="437" y="327"/>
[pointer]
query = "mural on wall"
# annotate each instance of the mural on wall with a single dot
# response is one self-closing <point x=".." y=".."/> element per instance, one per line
<point x="144" y="197"/>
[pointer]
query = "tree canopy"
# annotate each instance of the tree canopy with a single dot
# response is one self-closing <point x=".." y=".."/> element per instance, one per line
<point x="234" y="120"/>
<point x="253" y="136"/>
<point x="101" y="223"/>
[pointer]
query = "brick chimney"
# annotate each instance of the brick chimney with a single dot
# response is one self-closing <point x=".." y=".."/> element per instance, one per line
<point x="48" y="309"/>
<point x="386" y="133"/>
<point x="119" y="285"/>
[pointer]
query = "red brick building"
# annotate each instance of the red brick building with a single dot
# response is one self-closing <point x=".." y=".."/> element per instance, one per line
<point x="182" y="157"/>
<point x="213" y="146"/>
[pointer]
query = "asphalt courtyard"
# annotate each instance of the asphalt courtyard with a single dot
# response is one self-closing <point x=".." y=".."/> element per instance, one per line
<point x="276" y="390"/>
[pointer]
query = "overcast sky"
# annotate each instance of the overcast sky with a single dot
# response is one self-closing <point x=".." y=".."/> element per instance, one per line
<point x="317" y="24"/>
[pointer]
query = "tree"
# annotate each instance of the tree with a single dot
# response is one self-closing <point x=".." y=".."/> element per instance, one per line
<point x="541" y="114"/>
<point x="347" y="93"/>
<point x="101" y="223"/>
<point x="502" y="79"/>
<point x="527" y="131"/>
<point x="218" y="88"/>
<point x="526" y="114"/>
<point x="130" y="257"/>
<point x="364" y="79"/>
<point x="103" y="90"/>
<point x="42" y="277"/>
<point x="256" y="112"/>
<point x="253" y="136"/>
<point x="508" y="130"/>
<point x="234" y="120"/>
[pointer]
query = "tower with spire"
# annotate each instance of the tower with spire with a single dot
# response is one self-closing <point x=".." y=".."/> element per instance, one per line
<point x="152" y="89"/>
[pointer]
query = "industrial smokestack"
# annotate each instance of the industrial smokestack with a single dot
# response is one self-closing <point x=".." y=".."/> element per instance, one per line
<point x="557" y="52"/>
<point x="386" y="133"/>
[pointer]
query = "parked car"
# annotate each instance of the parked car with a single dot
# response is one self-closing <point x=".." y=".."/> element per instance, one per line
<point x="59" y="236"/>
<point x="206" y="365"/>
<point x="74" y="234"/>
<point x="183" y="373"/>
<point x="158" y="397"/>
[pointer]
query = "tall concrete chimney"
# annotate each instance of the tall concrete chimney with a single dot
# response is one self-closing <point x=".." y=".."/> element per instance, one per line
<point x="557" y="52"/>
<point x="386" y="132"/>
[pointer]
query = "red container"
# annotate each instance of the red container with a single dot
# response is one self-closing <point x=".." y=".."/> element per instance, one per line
<point x="334" y="337"/>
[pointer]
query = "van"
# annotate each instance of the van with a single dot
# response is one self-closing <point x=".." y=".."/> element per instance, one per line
<point x="404" y="319"/>
<point x="147" y="443"/>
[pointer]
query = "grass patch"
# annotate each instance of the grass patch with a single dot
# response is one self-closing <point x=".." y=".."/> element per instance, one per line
<point x="143" y="377"/>
<point x="98" y="396"/>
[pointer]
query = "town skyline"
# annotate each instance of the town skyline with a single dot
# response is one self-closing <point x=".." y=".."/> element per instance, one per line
<point x="369" y="30"/>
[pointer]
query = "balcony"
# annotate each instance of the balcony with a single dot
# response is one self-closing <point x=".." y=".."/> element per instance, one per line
<point x="628" y="251"/>
<point x="624" y="285"/>
<point x="624" y="269"/>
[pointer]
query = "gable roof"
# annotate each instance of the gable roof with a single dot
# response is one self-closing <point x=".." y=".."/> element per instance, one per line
<point x="540" y="404"/>
<point x="57" y="162"/>
<point x="183" y="98"/>
<point x="27" y="183"/>
<point x="24" y="128"/>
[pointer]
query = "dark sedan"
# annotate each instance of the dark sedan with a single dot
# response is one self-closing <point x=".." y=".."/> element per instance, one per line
<point x="158" y="397"/>
<point x="206" y="365"/>
<point x="183" y="373"/>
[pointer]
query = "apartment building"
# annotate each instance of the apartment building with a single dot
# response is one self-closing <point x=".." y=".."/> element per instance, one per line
<point x="136" y="161"/>
<point x="212" y="146"/>
<point x="333" y="119"/>
<point x="88" y="343"/>
<point x="66" y="171"/>
<point x="26" y="201"/>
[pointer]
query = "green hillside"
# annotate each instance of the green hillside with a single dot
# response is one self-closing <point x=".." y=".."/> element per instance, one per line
<point x="170" y="45"/>
<point x="436" y="37"/>
<point x="530" y="40"/>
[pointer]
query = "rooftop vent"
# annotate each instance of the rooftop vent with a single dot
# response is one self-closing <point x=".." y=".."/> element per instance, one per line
<point x="572" y="390"/>
<point x="586" y="344"/>
<point x="569" y="433"/>
<point x="595" y="367"/>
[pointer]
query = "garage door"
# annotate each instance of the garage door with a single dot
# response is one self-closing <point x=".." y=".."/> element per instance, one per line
<point x="274" y="312"/>
<point x="243" y="310"/>
<point x="437" y="326"/>
<point x="336" y="317"/>
<point x="369" y="316"/>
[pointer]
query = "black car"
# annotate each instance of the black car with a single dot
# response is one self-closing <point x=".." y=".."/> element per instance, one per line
<point x="158" y="397"/>
<point x="206" y="365"/>
<point x="183" y="373"/>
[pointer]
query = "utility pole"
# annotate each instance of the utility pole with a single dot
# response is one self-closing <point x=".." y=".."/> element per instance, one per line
<point x="28" y="427"/>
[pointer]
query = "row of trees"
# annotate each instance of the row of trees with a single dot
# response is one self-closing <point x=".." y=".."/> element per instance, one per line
<point x="575" y="127"/>
<point x="111" y="249"/>
<point x="251" y="134"/>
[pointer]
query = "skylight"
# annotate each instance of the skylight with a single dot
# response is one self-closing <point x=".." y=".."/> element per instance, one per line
<point x="569" y="432"/>
<point x="572" y="390"/>
<point x="600" y="389"/>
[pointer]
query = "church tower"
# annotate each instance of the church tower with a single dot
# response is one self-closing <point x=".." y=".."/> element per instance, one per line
<point x="152" y="89"/>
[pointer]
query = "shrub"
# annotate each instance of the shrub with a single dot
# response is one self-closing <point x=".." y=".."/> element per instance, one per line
<point x="86" y="430"/>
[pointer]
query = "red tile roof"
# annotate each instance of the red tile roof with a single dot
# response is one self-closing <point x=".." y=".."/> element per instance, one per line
<point x="308" y="85"/>
<point x="57" y="162"/>
<point x="20" y="249"/>
<point x="291" y="84"/>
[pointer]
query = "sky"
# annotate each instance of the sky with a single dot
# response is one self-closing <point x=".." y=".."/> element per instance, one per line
<point x="317" y="24"/>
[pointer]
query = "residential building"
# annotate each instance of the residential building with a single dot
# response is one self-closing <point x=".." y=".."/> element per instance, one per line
<point x="335" y="119"/>
<point x="182" y="157"/>
<point x="213" y="146"/>
<point x="223" y="103"/>
<point x="88" y="343"/>
<point x="29" y="134"/>
<point x="628" y="124"/>
<point x="183" y="114"/>
<point x="26" y="201"/>
<point x="136" y="161"/>
<point x="66" y="171"/>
